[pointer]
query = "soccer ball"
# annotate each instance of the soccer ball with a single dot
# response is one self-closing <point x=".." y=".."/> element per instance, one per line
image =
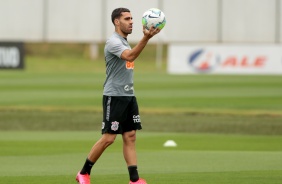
<point x="153" y="17"/>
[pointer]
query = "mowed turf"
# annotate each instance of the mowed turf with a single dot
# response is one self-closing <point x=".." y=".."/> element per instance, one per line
<point x="257" y="94"/>
<point x="55" y="157"/>
<point x="77" y="83"/>
<point x="228" y="127"/>
<point x="69" y="90"/>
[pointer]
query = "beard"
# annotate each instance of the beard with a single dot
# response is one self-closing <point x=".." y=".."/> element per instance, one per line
<point x="126" y="30"/>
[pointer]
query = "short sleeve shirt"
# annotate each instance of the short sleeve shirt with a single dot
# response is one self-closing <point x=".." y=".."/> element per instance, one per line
<point x="119" y="73"/>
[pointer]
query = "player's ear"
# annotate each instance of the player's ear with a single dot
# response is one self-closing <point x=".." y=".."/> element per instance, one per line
<point x="116" y="22"/>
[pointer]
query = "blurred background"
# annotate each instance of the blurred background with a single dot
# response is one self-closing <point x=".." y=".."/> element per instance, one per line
<point x="210" y="81"/>
<point x="88" y="21"/>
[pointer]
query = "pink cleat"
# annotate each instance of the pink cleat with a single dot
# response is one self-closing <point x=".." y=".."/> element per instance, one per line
<point x="140" y="181"/>
<point x="83" y="178"/>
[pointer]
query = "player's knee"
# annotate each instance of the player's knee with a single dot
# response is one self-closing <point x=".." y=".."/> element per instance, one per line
<point x="108" y="140"/>
<point x="130" y="136"/>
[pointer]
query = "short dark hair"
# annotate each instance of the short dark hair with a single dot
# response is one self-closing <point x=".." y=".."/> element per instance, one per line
<point x="117" y="13"/>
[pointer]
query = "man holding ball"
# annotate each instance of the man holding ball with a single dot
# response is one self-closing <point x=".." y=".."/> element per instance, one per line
<point x="120" y="108"/>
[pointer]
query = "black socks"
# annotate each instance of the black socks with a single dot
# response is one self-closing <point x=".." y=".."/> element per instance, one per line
<point x="87" y="167"/>
<point x="133" y="173"/>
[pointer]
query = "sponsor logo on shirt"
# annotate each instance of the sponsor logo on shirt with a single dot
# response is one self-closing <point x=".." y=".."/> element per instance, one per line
<point x="128" y="88"/>
<point x="129" y="65"/>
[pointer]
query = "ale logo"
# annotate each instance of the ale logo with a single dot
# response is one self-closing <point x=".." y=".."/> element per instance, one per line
<point x="202" y="61"/>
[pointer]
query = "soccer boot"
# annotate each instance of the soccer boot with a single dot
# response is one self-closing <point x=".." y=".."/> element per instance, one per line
<point x="140" y="181"/>
<point x="82" y="178"/>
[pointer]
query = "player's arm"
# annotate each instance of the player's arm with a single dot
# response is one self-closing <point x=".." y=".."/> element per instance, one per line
<point x="131" y="55"/>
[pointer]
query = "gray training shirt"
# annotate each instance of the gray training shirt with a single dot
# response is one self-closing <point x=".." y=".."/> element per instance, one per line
<point x="119" y="73"/>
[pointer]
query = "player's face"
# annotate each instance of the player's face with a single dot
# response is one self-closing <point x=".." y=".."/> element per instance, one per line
<point x="126" y="23"/>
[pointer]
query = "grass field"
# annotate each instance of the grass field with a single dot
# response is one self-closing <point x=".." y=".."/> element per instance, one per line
<point x="228" y="128"/>
<point x="54" y="157"/>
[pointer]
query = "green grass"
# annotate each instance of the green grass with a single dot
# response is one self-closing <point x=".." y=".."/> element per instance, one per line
<point x="228" y="127"/>
<point x="78" y="83"/>
<point x="55" y="157"/>
<point x="71" y="120"/>
<point x="68" y="90"/>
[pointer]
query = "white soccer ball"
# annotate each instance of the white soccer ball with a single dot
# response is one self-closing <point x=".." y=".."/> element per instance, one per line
<point x="153" y="17"/>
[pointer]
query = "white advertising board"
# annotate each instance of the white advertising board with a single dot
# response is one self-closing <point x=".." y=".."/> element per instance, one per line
<point x="225" y="59"/>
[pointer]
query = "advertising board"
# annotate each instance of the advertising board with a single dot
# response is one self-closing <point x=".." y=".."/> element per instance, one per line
<point x="224" y="59"/>
<point x="11" y="55"/>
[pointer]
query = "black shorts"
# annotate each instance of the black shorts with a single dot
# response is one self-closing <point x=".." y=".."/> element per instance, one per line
<point x="120" y="114"/>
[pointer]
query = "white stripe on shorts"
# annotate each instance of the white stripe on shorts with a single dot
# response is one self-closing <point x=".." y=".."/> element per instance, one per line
<point x="108" y="109"/>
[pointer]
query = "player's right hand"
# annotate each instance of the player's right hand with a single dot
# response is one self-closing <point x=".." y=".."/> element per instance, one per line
<point x="151" y="32"/>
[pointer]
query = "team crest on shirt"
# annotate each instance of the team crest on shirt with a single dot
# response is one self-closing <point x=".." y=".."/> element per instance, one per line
<point x="115" y="125"/>
<point x="129" y="65"/>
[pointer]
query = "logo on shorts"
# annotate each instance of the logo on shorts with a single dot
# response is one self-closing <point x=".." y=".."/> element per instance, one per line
<point x="103" y="125"/>
<point x="136" y="119"/>
<point x="115" y="125"/>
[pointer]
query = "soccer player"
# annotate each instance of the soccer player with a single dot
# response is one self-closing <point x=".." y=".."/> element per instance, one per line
<point x="120" y="108"/>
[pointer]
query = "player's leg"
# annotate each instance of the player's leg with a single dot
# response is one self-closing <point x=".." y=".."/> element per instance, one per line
<point x="130" y="156"/>
<point x="132" y="124"/>
<point x="99" y="147"/>
<point x="129" y="151"/>
<point x="110" y="129"/>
